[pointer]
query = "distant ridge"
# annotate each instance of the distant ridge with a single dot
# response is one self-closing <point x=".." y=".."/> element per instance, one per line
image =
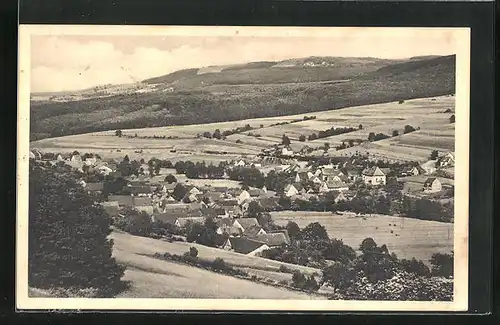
<point x="252" y="90"/>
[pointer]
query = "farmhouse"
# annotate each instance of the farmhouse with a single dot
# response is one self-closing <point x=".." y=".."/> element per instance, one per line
<point x="374" y="176"/>
<point x="273" y="239"/>
<point x="432" y="185"/>
<point x="294" y="189"/>
<point x="335" y="185"/>
<point x="245" y="246"/>
<point x="253" y="231"/>
<point x="244" y="223"/>
<point x="447" y="160"/>
<point x="225" y="226"/>
<point x="413" y="171"/>
<point x="169" y="218"/>
<point x="244" y="197"/>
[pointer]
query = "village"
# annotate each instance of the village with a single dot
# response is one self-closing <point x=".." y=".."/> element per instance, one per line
<point x="236" y="193"/>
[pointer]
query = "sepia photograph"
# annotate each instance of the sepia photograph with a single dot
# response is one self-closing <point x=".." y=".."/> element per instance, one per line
<point x="243" y="168"/>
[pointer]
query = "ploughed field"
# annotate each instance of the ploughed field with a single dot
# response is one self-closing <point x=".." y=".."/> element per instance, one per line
<point x="409" y="238"/>
<point x="436" y="132"/>
<point x="155" y="278"/>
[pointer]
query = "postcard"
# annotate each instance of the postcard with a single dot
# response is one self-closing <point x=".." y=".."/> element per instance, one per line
<point x="180" y="168"/>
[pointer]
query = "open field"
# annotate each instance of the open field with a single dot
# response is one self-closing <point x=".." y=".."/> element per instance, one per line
<point x="410" y="237"/>
<point x="154" y="278"/>
<point x="427" y="113"/>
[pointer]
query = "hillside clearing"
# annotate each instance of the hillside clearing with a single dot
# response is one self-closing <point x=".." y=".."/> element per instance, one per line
<point x="409" y="238"/>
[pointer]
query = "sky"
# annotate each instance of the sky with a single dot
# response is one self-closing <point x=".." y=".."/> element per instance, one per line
<point x="71" y="62"/>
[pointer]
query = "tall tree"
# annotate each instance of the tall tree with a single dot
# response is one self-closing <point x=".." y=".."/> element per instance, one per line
<point x="68" y="236"/>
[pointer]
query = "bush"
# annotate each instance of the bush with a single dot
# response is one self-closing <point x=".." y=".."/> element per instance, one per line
<point x="401" y="102"/>
<point x="415" y="267"/>
<point x="68" y="236"/>
<point x="442" y="264"/>
<point x="408" y="129"/>
<point x="339" y="275"/>
<point x="193" y="252"/>
<point x="219" y="264"/>
<point x="285" y="269"/>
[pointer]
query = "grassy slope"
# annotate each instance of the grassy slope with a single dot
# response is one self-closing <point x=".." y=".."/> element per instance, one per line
<point x="153" y="278"/>
<point x="234" y="95"/>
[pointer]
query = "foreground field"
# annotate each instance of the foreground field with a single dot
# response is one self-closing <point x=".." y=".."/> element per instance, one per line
<point x="435" y="133"/>
<point x="154" y="278"/>
<point x="406" y="237"/>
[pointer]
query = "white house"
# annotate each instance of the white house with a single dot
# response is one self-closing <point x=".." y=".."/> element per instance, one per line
<point x="432" y="185"/>
<point x="244" y="196"/>
<point x="447" y="160"/>
<point x="286" y="151"/>
<point x="374" y="176"/>
<point x="240" y="163"/>
<point x="76" y="158"/>
<point x="292" y="190"/>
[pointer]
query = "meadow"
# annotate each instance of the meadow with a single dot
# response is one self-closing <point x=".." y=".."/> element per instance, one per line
<point x="435" y="133"/>
<point x="405" y="237"/>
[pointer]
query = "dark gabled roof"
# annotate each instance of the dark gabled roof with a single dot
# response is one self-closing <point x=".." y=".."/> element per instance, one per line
<point x="268" y="202"/>
<point x="167" y="217"/>
<point x="272" y="239"/>
<point x="247" y="222"/>
<point x="252" y="231"/>
<point x="94" y="186"/>
<point x="225" y="222"/>
<point x="244" y="245"/>
<point x="220" y="240"/>
<point x="372" y="171"/>
<point x="123" y="200"/>
<point x="335" y="184"/>
<point x="429" y="180"/>
<point x="283" y="231"/>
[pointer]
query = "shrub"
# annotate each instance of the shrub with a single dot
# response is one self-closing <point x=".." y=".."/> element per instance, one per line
<point x="442" y="264"/>
<point x="285" y="269"/>
<point x="219" y="264"/>
<point x="401" y="102"/>
<point x="415" y="267"/>
<point x="408" y="129"/>
<point x="339" y="275"/>
<point x="193" y="251"/>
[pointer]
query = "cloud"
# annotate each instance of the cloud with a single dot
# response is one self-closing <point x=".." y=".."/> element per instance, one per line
<point x="63" y="63"/>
